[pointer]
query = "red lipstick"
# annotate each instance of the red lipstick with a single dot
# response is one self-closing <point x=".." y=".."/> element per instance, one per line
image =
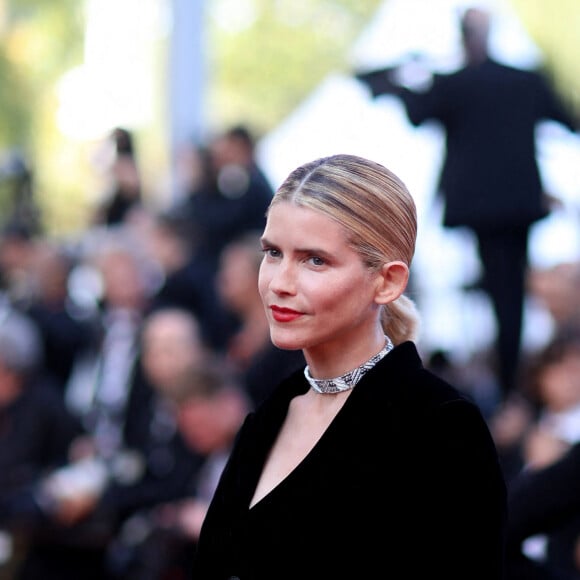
<point x="284" y="314"/>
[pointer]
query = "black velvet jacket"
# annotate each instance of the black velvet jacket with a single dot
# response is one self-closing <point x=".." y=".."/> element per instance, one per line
<point x="404" y="483"/>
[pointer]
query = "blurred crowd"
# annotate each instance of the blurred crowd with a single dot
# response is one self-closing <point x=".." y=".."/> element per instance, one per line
<point x="490" y="184"/>
<point x="130" y="356"/>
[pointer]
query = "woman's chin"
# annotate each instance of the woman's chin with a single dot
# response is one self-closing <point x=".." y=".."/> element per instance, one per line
<point x="285" y="340"/>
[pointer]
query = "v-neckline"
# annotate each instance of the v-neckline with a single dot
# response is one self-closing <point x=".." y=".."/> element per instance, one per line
<point x="306" y="458"/>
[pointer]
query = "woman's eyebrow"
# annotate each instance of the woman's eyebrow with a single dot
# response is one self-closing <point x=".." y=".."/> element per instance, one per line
<point x="300" y="250"/>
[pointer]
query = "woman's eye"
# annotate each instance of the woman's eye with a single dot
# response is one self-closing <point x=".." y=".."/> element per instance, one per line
<point x="316" y="261"/>
<point x="272" y="252"/>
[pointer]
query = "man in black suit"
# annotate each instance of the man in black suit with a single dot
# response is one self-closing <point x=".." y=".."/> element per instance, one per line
<point x="490" y="181"/>
<point x="545" y="502"/>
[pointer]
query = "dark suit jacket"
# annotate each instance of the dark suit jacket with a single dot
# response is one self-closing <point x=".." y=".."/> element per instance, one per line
<point x="490" y="177"/>
<point x="545" y="501"/>
<point x="218" y="217"/>
<point x="36" y="431"/>
<point x="405" y="483"/>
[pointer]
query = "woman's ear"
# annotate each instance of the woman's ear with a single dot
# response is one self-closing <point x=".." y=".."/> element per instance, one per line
<point x="392" y="281"/>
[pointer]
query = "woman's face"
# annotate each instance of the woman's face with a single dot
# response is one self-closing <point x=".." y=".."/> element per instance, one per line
<point x="317" y="292"/>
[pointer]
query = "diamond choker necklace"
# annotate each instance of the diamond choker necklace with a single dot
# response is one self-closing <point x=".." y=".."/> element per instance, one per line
<point x="349" y="379"/>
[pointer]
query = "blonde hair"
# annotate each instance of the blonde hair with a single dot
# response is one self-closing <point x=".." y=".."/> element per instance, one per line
<point x="377" y="212"/>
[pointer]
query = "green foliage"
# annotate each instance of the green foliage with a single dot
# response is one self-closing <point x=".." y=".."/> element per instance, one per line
<point x="554" y="27"/>
<point x="15" y="120"/>
<point x="40" y="40"/>
<point x="262" y="67"/>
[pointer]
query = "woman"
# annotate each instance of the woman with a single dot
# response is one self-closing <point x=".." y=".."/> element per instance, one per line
<point x="364" y="464"/>
<point x="259" y="363"/>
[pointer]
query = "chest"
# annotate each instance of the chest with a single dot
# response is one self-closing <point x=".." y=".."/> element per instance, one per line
<point x="307" y="421"/>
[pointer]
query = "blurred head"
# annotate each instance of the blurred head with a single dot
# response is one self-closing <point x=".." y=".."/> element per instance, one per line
<point x="20" y="352"/>
<point x="555" y="372"/>
<point x="233" y="147"/>
<point x="475" y="26"/>
<point x="123" y="140"/>
<point x="194" y="168"/>
<point x="375" y="211"/>
<point x="51" y="269"/>
<point x="17" y="250"/>
<point x="169" y="241"/>
<point x="211" y="407"/>
<point x="124" y="271"/>
<point x="171" y="343"/>
<point x="237" y="277"/>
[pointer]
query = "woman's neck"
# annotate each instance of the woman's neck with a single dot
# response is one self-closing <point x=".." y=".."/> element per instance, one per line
<point x="333" y="360"/>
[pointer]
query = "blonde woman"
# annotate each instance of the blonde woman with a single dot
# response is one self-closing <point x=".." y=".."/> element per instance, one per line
<point x="363" y="464"/>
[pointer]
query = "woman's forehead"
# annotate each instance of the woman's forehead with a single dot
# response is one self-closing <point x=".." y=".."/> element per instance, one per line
<point x="300" y="225"/>
<point x="286" y="212"/>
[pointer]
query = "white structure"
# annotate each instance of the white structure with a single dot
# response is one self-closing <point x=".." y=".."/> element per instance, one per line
<point x="341" y="116"/>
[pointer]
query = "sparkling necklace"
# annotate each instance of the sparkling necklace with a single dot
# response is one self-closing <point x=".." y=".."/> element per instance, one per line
<point x="350" y="378"/>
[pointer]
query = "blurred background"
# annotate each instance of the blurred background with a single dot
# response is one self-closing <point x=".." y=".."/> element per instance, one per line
<point x="174" y="72"/>
<point x="169" y="70"/>
<point x="140" y="144"/>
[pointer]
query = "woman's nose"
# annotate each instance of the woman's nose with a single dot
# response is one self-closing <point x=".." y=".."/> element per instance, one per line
<point x="283" y="278"/>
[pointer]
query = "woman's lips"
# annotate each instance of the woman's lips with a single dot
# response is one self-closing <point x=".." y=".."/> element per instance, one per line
<point x="284" y="314"/>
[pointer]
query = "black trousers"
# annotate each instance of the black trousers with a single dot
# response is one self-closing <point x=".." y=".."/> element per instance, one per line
<point x="504" y="260"/>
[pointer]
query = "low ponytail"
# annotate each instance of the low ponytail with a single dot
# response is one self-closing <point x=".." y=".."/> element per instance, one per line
<point x="401" y="320"/>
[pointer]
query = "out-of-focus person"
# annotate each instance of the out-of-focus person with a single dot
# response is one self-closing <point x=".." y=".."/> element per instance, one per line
<point x="229" y="193"/>
<point x="17" y="252"/>
<point x="210" y="406"/>
<point x="555" y="288"/>
<point x="553" y="388"/>
<point x="490" y="181"/>
<point x="110" y="490"/>
<point x="125" y="188"/>
<point x="545" y="502"/>
<point x="66" y="326"/>
<point x="36" y="432"/>
<point x="187" y="277"/>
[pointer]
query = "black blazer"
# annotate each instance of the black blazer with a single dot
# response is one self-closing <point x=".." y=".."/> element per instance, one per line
<point x="489" y="112"/>
<point x="404" y="483"/>
<point x="545" y="501"/>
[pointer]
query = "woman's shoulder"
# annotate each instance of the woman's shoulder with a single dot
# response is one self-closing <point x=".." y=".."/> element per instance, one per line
<point x="405" y="382"/>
